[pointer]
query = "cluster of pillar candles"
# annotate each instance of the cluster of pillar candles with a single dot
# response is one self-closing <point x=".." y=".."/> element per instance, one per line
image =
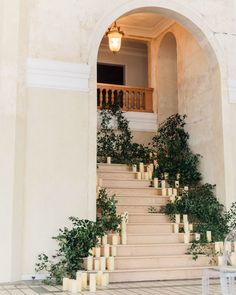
<point x="84" y="280"/>
<point x="188" y="228"/>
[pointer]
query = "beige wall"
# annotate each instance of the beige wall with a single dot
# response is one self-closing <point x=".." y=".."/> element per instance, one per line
<point x="166" y="80"/>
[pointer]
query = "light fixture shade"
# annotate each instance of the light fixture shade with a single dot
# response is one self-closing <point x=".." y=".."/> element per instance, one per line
<point x="114" y="36"/>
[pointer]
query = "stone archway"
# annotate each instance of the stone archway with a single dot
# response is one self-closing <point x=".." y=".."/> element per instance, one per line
<point x="193" y="23"/>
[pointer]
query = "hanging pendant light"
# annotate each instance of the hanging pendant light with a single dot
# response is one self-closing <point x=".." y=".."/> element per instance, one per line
<point x="114" y="35"/>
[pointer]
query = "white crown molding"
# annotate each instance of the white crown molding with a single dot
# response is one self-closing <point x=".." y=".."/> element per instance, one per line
<point x="151" y="32"/>
<point x="232" y="91"/>
<point x="44" y="73"/>
<point x="139" y="121"/>
<point x="125" y="50"/>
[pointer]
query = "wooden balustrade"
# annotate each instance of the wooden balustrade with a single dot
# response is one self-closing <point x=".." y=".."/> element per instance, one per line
<point x="136" y="99"/>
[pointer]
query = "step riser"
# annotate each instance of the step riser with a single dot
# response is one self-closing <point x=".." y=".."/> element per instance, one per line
<point x="177" y="274"/>
<point x="149" y="218"/>
<point x="117" y="176"/>
<point x="148" y="201"/>
<point x="155" y="239"/>
<point x="134" y="192"/>
<point x="158" y="262"/>
<point x="149" y="229"/>
<point x="113" y="168"/>
<point x="127" y="251"/>
<point x="135" y="184"/>
<point x="135" y="209"/>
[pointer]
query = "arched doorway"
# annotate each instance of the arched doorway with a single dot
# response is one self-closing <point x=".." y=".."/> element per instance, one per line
<point x="205" y="122"/>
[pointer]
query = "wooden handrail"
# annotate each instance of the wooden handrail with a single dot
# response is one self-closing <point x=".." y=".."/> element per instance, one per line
<point x="130" y="98"/>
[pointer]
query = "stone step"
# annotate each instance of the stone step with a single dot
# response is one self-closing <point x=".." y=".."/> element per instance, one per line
<point x="149" y="262"/>
<point x="174" y="273"/>
<point x="103" y="167"/>
<point x="118" y="175"/>
<point x="148" y="217"/>
<point x="146" y="191"/>
<point x="151" y="249"/>
<point x="142" y="200"/>
<point x="149" y="228"/>
<point x="159" y="238"/>
<point x="125" y="183"/>
<point x="135" y="208"/>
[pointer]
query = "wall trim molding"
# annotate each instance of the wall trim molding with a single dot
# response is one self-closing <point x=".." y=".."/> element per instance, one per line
<point x="140" y="121"/>
<point x="45" y="73"/>
<point x="232" y="91"/>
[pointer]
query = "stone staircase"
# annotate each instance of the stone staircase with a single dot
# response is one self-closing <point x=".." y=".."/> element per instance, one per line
<point x="153" y="251"/>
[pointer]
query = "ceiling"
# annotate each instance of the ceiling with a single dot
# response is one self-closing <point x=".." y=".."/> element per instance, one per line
<point x="143" y="25"/>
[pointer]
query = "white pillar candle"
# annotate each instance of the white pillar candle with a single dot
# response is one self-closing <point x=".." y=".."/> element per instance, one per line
<point x="65" y="284"/>
<point x="92" y="282"/>
<point x="104" y="240"/>
<point x="155" y="182"/>
<point x="105" y="279"/>
<point x="197" y="236"/>
<point x="186" y="238"/>
<point x="186" y="227"/>
<point x="84" y="279"/>
<point x="113" y="251"/>
<point x="176" y="228"/>
<point x="190" y="227"/>
<point x="146" y="175"/>
<point x="134" y="168"/>
<point x="79" y="284"/>
<point x="96" y="264"/>
<point x="141" y="167"/>
<point x="99" y="278"/>
<point x="99" y="181"/>
<point x="228" y="246"/>
<point x="217" y="247"/>
<point x="186" y="188"/>
<point x="143" y="175"/>
<point x="220" y="260"/>
<point x="163" y="192"/>
<point x="221" y="246"/>
<point x="102" y="266"/>
<point x="150" y="175"/>
<point x="108" y="160"/>
<point x="114" y="239"/>
<point x="78" y="274"/>
<point x="172" y="199"/>
<point x="74" y="287"/>
<point x="163" y="184"/>
<point x="233" y="259"/>
<point x="170" y="191"/>
<point x="123" y="237"/>
<point x="97" y="252"/>
<point x="89" y="263"/>
<point x="106" y="250"/>
<point x="208" y="234"/>
<point x="177" y="184"/>
<point x="177" y="218"/>
<point x="151" y="167"/>
<point x="139" y="175"/>
<point x="175" y="193"/>
<point x="185" y="218"/>
<point x="110" y="263"/>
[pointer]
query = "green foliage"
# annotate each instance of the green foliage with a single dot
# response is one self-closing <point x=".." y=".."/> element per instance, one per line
<point x="230" y="216"/>
<point x="203" y="209"/>
<point x="107" y="217"/>
<point x="73" y="245"/>
<point x="116" y="141"/>
<point x="173" y="152"/>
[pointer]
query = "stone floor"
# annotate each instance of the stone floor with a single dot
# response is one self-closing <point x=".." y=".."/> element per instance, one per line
<point x="186" y="287"/>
